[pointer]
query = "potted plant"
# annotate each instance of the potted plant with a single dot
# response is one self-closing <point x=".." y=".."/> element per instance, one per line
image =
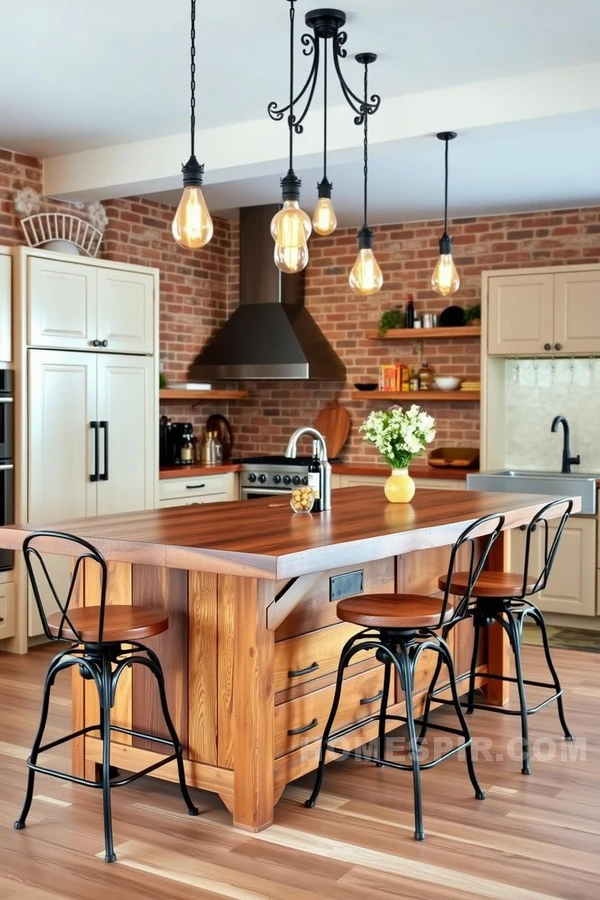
<point x="473" y="315"/>
<point x="400" y="437"/>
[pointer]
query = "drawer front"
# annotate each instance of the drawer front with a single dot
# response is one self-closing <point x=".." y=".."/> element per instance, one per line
<point x="301" y="659"/>
<point x="197" y="486"/>
<point x="193" y="501"/>
<point x="7" y="610"/>
<point x="302" y="721"/>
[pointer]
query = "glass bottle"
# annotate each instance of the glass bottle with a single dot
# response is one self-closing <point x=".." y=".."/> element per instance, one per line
<point x="315" y="476"/>
<point x="409" y="316"/>
<point x="186" y="453"/>
<point x="425" y="377"/>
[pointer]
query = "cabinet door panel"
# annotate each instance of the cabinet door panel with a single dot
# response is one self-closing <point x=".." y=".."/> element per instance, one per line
<point x="5" y="306"/>
<point x="61" y="300"/>
<point x="126" y="311"/>
<point x="520" y="314"/>
<point x="572" y="585"/>
<point x="577" y="312"/>
<point x="126" y="392"/>
<point x="62" y="403"/>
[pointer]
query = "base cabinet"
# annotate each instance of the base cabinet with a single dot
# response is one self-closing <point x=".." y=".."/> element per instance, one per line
<point x="7" y="610"/>
<point x="197" y="489"/>
<point x="572" y="585"/>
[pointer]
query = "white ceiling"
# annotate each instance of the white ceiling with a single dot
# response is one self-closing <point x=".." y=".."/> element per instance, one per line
<point x="77" y="76"/>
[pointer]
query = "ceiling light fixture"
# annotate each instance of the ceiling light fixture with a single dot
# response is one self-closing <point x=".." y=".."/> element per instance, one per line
<point x="192" y="226"/>
<point x="326" y="25"/>
<point x="445" y="278"/>
<point x="365" y="277"/>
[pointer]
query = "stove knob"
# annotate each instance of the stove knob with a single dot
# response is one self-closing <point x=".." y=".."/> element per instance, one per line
<point x="296" y="479"/>
<point x="262" y="478"/>
<point x="305" y="479"/>
<point x="251" y="477"/>
<point x="276" y="479"/>
<point x="287" y="479"/>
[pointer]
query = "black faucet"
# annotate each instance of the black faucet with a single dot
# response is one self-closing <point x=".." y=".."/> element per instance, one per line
<point x="567" y="459"/>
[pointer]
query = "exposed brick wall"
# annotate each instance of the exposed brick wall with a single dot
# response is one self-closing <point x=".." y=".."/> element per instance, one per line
<point x="199" y="290"/>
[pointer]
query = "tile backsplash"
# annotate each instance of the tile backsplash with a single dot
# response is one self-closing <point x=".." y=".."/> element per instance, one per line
<point x="537" y="391"/>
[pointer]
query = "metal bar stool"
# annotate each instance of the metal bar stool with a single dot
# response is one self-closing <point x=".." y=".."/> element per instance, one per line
<point x="96" y="636"/>
<point x="503" y="597"/>
<point x="399" y="627"/>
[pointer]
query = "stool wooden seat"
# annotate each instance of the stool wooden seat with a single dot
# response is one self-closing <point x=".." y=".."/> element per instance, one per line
<point x="122" y="624"/>
<point x="401" y="611"/>
<point x="489" y="584"/>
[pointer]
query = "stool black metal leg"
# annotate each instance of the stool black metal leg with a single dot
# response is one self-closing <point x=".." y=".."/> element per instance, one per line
<point x="339" y="683"/>
<point x="105" y="701"/>
<point x="514" y="632"/>
<point x="430" y="691"/>
<point x="156" y="669"/>
<point x="473" y="668"/>
<point x="538" y="618"/>
<point x="383" y="709"/>
<point x="445" y="654"/>
<point x="405" y="666"/>
<point x="48" y="683"/>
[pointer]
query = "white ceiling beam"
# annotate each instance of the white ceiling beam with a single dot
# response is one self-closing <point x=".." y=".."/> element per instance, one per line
<point x="252" y="149"/>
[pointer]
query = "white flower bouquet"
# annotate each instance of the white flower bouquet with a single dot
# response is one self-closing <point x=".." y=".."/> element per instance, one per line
<point x="398" y="435"/>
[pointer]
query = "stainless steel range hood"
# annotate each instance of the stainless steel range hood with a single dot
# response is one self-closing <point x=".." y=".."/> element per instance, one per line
<point x="270" y="335"/>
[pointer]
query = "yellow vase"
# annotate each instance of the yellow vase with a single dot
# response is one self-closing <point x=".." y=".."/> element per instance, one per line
<point x="399" y="488"/>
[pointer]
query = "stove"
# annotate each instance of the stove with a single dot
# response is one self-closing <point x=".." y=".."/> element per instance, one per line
<point x="270" y="476"/>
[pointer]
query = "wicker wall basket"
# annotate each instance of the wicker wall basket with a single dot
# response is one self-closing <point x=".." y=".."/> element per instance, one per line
<point x="62" y="233"/>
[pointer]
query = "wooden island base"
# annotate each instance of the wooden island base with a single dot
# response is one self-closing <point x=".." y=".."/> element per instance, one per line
<point x="254" y="641"/>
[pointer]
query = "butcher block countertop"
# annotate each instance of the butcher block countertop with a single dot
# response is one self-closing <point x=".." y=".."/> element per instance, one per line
<point x="265" y="539"/>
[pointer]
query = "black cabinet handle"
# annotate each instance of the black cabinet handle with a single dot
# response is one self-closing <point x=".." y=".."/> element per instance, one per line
<point x="305" y="728"/>
<point x="547" y="346"/>
<point x="1" y="619"/>
<point x="300" y="672"/>
<point x="103" y="343"/>
<point x="104" y="426"/>
<point x="366" y="700"/>
<point x="558" y="346"/>
<point x="95" y="476"/>
<point x="194" y="487"/>
<point x="95" y="343"/>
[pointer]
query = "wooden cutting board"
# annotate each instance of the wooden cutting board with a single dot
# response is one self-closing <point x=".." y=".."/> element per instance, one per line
<point x="334" y="424"/>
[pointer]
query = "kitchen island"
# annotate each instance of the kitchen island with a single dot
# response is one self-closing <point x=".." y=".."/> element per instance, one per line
<point x="253" y="640"/>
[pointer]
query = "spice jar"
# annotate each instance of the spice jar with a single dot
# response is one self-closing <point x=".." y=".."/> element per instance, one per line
<point x="425" y="377"/>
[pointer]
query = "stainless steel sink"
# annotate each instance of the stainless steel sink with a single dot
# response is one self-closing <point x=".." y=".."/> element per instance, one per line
<point x="574" y="484"/>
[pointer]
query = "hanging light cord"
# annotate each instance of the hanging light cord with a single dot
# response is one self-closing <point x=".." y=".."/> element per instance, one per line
<point x="446" y="187"/>
<point x="193" y="79"/>
<point x="291" y="116"/>
<point x="325" y="113"/>
<point x="366" y="145"/>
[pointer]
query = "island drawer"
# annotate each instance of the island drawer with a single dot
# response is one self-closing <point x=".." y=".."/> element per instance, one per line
<point x="193" y="501"/>
<point x="303" y="720"/>
<point x="174" y="488"/>
<point x="302" y="659"/>
<point x="7" y="610"/>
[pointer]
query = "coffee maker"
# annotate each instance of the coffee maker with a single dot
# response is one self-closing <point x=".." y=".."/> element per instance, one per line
<point x="173" y="437"/>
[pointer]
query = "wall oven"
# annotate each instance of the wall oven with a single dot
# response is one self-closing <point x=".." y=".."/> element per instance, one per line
<point x="7" y="482"/>
<point x="271" y="476"/>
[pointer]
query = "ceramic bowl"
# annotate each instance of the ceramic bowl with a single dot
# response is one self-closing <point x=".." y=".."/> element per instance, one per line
<point x="366" y="386"/>
<point x="446" y="382"/>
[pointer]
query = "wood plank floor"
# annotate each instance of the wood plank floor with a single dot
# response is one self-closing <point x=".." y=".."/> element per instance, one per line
<point x="534" y="838"/>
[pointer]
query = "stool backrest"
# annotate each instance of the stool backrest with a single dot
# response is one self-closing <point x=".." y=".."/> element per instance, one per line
<point x="42" y="580"/>
<point x="541" y="523"/>
<point x="477" y="540"/>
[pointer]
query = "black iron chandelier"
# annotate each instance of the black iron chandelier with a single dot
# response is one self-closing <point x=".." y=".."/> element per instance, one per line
<point x="291" y="226"/>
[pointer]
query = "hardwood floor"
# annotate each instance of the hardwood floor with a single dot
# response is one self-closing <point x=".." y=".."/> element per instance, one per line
<point x="534" y="838"/>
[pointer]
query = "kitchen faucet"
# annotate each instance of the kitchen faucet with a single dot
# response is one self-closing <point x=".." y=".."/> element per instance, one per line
<point x="567" y="459"/>
<point x="291" y="452"/>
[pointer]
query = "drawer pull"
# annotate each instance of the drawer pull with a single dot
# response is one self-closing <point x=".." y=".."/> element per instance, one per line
<point x="194" y="487"/>
<point x="300" y="672"/>
<point x="366" y="700"/>
<point x="305" y="728"/>
<point x="1" y="619"/>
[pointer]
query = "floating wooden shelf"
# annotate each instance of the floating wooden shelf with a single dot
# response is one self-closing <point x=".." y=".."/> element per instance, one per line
<point x="422" y="396"/>
<point x="420" y="334"/>
<point x="182" y="394"/>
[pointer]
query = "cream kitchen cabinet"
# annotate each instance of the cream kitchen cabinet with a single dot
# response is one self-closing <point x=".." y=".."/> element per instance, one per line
<point x="572" y="585"/>
<point x="445" y="484"/>
<point x="7" y="610"/>
<point x="79" y="306"/>
<point x="5" y="305"/>
<point x="91" y="438"/>
<point x="197" y="489"/>
<point x="544" y="313"/>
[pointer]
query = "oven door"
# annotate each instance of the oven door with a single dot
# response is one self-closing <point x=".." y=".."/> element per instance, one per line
<point x="7" y="510"/>
<point x="255" y="493"/>
<point x="6" y="428"/>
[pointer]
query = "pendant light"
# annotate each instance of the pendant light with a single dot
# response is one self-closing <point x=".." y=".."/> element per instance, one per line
<point x="324" y="219"/>
<point x="365" y="277"/>
<point x="192" y="226"/>
<point x="291" y="227"/>
<point x="445" y="278"/>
